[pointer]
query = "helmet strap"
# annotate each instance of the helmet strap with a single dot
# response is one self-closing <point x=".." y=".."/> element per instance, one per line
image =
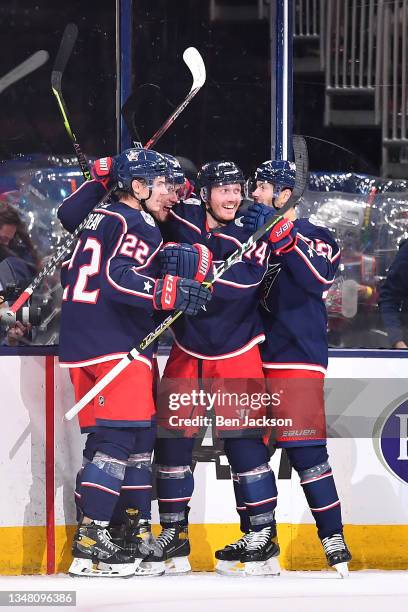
<point x="213" y="215"/>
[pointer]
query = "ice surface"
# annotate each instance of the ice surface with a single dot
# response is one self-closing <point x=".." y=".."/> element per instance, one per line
<point x="363" y="591"/>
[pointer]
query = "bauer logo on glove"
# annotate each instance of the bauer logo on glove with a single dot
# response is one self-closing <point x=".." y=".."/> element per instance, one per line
<point x="101" y="171"/>
<point x="283" y="235"/>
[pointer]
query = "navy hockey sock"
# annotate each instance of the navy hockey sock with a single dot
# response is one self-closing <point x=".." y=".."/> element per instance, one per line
<point x="245" y="524"/>
<point x="100" y="486"/>
<point x="136" y="489"/>
<point x="88" y="454"/>
<point x="258" y="489"/>
<point x="175" y="485"/>
<point x="316" y="478"/>
<point x="77" y="492"/>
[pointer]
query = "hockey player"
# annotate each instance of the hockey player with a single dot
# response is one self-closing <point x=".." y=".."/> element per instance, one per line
<point x="393" y="301"/>
<point x="219" y="348"/>
<point x="295" y="353"/>
<point x="111" y="290"/>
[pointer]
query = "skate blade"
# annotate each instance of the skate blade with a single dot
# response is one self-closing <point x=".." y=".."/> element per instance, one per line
<point x="342" y="569"/>
<point x="270" y="567"/>
<point x="177" y="565"/>
<point x="147" y="568"/>
<point x="87" y="569"/>
<point x="230" y="568"/>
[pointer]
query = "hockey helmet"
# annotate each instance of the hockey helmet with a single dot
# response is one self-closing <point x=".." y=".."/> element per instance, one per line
<point x="216" y="173"/>
<point x="279" y="172"/>
<point x="140" y="164"/>
<point x="175" y="170"/>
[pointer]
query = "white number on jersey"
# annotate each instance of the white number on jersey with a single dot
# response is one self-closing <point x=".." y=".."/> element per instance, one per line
<point x="135" y="248"/>
<point x="80" y="293"/>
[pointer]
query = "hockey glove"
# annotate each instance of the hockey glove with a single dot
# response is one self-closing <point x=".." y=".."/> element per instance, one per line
<point x="101" y="171"/>
<point x="175" y="293"/>
<point x="283" y="235"/>
<point x="186" y="260"/>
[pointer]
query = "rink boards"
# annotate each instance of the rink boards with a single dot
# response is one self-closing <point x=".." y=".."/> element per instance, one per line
<point x="40" y="455"/>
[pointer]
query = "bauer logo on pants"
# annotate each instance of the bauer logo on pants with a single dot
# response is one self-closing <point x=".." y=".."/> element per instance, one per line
<point x="391" y="438"/>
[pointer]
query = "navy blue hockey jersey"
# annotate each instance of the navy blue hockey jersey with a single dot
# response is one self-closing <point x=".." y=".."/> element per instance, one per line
<point x="292" y="305"/>
<point x="231" y="322"/>
<point x="394" y="297"/>
<point x="108" y="282"/>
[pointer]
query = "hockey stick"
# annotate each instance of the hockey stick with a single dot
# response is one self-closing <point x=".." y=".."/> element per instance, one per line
<point x="299" y="147"/>
<point x="29" y="65"/>
<point x="141" y="98"/>
<point x="64" y="53"/>
<point x="196" y="65"/>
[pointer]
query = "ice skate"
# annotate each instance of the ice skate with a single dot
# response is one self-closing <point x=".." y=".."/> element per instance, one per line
<point x="96" y="555"/>
<point x="136" y="538"/>
<point x="175" y="546"/>
<point x="228" y="558"/>
<point x="337" y="553"/>
<point x="261" y="552"/>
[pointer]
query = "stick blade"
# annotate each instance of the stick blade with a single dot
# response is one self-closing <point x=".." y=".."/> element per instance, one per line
<point x="29" y="65"/>
<point x="64" y="53"/>
<point x="195" y="63"/>
<point x="302" y="170"/>
<point x="141" y="110"/>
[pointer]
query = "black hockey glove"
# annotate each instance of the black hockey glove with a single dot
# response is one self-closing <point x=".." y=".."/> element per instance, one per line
<point x="175" y="293"/>
<point x="187" y="260"/>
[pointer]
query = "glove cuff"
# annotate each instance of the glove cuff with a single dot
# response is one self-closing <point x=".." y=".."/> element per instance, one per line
<point x="204" y="262"/>
<point x="165" y="293"/>
<point x="287" y="248"/>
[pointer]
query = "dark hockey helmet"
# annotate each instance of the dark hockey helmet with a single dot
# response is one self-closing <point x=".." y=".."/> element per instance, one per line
<point x="217" y="173"/>
<point x="175" y="170"/>
<point x="140" y="164"/>
<point x="279" y="172"/>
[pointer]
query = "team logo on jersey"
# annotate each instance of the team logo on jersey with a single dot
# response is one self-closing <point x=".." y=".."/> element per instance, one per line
<point x="391" y="438"/>
<point x="148" y="218"/>
<point x="238" y="221"/>
<point x="101" y="400"/>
